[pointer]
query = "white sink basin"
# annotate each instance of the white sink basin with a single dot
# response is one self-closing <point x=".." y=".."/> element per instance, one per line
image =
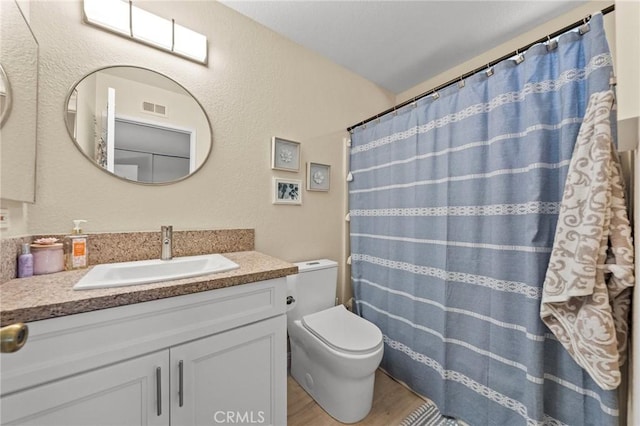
<point x="151" y="271"/>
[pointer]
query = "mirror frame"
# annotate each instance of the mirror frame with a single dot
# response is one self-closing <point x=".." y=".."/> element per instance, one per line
<point x="92" y="161"/>
<point x="6" y="110"/>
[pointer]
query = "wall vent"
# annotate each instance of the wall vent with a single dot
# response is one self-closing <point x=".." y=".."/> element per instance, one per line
<point x="152" y="108"/>
<point x="161" y="109"/>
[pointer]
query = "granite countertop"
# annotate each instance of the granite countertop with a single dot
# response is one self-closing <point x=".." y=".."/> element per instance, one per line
<point x="49" y="296"/>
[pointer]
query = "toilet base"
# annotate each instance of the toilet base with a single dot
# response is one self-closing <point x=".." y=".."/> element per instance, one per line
<point x="347" y="399"/>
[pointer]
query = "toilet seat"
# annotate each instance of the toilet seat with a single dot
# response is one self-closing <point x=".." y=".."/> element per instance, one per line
<point x="343" y="331"/>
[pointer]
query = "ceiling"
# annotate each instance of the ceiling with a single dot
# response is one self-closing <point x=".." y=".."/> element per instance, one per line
<point x="399" y="44"/>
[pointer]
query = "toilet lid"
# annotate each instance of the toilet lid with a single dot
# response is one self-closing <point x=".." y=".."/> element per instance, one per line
<point x="343" y="330"/>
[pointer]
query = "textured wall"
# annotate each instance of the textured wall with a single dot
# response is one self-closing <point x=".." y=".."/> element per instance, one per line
<point x="257" y="85"/>
<point x="554" y="24"/>
<point x="628" y="70"/>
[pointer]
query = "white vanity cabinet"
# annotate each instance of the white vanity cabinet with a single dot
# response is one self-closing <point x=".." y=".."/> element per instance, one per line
<point x="120" y="394"/>
<point x="230" y="378"/>
<point x="216" y="357"/>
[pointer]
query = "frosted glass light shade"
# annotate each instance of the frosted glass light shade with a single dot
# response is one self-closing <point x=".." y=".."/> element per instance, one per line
<point x="122" y="17"/>
<point x="151" y="28"/>
<point x="189" y="43"/>
<point x="112" y="14"/>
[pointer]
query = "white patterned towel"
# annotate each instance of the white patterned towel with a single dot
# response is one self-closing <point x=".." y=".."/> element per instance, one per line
<point x="587" y="288"/>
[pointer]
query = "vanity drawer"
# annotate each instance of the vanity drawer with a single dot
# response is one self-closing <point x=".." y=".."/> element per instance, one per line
<point x="63" y="346"/>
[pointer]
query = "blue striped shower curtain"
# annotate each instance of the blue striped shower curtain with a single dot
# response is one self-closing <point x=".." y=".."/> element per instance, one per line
<point x="454" y="204"/>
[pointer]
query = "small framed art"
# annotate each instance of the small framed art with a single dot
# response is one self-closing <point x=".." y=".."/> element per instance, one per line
<point x="285" y="155"/>
<point x="287" y="191"/>
<point x="318" y="177"/>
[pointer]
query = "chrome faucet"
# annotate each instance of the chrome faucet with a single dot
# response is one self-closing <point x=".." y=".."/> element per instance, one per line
<point x="166" y="235"/>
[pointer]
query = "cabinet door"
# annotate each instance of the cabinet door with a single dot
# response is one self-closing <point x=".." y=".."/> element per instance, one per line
<point x="236" y="377"/>
<point x="121" y="394"/>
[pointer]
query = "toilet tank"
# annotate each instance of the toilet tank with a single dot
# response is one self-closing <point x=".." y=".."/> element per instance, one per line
<point x="313" y="287"/>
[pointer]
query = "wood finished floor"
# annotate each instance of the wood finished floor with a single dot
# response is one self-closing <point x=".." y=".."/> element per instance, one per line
<point x="392" y="403"/>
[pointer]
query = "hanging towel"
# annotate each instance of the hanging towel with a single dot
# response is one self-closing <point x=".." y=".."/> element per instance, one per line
<point x="587" y="288"/>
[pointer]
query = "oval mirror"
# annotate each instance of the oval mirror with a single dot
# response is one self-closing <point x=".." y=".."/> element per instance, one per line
<point x="138" y="124"/>
<point x="5" y="96"/>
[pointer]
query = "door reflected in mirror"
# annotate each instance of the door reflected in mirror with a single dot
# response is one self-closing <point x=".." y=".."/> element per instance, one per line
<point x="138" y="125"/>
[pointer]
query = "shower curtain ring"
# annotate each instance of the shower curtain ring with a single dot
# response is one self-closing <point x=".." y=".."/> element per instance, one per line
<point x="435" y="95"/>
<point x="461" y="83"/>
<point x="584" y="28"/>
<point x="489" y="70"/>
<point x="551" y="44"/>
<point x="519" y="57"/>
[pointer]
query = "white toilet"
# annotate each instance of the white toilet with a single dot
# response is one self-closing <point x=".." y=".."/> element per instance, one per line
<point x="334" y="353"/>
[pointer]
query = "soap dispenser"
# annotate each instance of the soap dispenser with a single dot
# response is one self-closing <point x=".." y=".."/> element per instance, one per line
<point x="76" y="247"/>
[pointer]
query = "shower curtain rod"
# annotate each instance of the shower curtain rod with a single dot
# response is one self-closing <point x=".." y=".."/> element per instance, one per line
<point x="482" y="68"/>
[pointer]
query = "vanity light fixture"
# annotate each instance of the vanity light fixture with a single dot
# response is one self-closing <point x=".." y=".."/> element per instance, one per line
<point x="123" y="18"/>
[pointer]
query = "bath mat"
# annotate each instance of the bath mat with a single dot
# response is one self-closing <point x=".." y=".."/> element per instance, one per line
<point x="428" y="415"/>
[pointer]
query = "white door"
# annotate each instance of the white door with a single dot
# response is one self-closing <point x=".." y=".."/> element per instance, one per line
<point x="121" y="394"/>
<point x="236" y="377"/>
<point x="111" y="128"/>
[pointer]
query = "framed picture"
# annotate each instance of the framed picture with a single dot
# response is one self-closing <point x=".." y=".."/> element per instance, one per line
<point x="318" y="177"/>
<point x="285" y="155"/>
<point x="287" y="191"/>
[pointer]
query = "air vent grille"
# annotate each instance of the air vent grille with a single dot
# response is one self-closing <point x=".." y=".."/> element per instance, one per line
<point x="152" y="108"/>
<point x="148" y="107"/>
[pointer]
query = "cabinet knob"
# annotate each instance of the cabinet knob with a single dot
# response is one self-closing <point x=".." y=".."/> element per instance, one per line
<point x="13" y="337"/>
